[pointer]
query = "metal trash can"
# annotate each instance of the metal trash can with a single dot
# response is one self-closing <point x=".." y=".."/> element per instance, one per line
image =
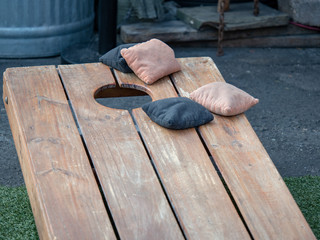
<point x="42" y="28"/>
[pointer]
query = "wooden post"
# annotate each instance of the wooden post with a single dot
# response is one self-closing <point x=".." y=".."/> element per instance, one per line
<point x="107" y="25"/>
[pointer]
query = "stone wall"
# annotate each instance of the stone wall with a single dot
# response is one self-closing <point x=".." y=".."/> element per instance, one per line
<point x="302" y="11"/>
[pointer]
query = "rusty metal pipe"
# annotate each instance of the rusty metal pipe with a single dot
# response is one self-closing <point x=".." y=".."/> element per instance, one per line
<point x="221" y="7"/>
<point x="256" y="8"/>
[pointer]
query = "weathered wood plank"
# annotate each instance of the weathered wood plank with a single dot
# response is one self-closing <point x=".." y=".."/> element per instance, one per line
<point x="195" y="190"/>
<point x="303" y="40"/>
<point x="239" y="17"/>
<point x="127" y="81"/>
<point x="134" y="195"/>
<point x="169" y="31"/>
<point x="148" y="9"/>
<point x="199" y="199"/>
<point x="178" y="32"/>
<point x="65" y="198"/>
<point x="307" y="40"/>
<point x="259" y="191"/>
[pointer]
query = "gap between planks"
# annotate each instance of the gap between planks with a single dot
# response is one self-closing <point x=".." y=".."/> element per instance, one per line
<point x="155" y="94"/>
<point x="118" y="161"/>
<point x="157" y="173"/>
<point x="215" y="167"/>
<point x="90" y="159"/>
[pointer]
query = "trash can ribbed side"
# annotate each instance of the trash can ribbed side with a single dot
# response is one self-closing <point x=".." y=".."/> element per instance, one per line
<point x="41" y="28"/>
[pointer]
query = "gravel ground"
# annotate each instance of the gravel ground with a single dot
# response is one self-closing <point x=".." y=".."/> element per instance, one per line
<point x="287" y="118"/>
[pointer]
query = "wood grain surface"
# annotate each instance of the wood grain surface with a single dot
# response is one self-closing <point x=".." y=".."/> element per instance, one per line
<point x="177" y="33"/>
<point x="156" y="183"/>
<point x="133" y="193"/>
<point x="258" y="189"/>
<point x="239" y="17"/>
<point x="195" y="190"/>
<point x="132" y="81"/>
<point x="55" y="166"/>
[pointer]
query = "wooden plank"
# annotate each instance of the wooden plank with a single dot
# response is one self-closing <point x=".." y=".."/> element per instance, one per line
<point x="259" y="191"/>
<point x="150" y="9"/>
<point x="167" y="31"/>
<point x="133" y="193"/>
<point x="307" y="40"/>
<point x="178" y="32"/>
<point x="199" y="199"/>
<point x="127" y="81"/>
<point x="239" y="17"/>
<point x="195" y="190"/>
<point x="65" y="198"/>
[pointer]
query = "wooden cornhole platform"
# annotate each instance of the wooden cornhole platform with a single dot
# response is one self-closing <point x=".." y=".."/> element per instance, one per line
<point x="106" y="174"/>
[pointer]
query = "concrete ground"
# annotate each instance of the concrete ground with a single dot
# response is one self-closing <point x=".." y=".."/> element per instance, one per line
<point x="287" y="118"/>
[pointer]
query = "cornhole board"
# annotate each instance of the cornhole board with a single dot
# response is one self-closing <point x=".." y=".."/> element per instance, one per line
<point x="94" y="172"/>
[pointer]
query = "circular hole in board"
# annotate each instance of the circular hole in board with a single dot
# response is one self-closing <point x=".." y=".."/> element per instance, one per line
<point x="121" y="98"/>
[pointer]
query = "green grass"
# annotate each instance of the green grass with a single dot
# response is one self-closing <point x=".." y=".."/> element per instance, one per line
<point x="306" y="192"/>
<point x="16" y="219"/>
